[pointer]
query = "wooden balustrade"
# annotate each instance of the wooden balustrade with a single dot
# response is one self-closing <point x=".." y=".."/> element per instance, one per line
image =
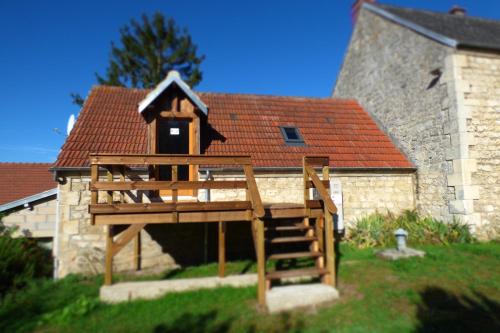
<point x="312" y="180"/>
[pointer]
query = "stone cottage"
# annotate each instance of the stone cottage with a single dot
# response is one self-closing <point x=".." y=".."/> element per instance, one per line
<point x="368" y="172"/>
<point x="432" y="82"/>
<point x="28" y="200"/>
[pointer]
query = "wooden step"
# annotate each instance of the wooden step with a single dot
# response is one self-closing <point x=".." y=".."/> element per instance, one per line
<point x="294" y="255"/>
<point x="294" y="239"/>
<point x="276" y="275"/>
<point x="291" y="227"/>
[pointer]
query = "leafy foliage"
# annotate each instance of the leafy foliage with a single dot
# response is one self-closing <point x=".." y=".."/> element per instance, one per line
<point x="148" y="51"/>
<point x="378" y="230"/>
<point x="82" y="306"/>
<point x="21" y="259"/>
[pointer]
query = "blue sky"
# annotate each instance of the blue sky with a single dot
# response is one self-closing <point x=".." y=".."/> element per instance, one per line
<point x="52" y="48"/>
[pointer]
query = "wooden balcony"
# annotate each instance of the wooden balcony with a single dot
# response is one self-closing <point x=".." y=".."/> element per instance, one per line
<point x="121" y="181"/>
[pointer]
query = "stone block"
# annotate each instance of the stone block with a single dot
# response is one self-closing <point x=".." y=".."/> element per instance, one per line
<point x="463" y="207"/>
<point x="467" y="192"/>
<point x="287" y="298"/>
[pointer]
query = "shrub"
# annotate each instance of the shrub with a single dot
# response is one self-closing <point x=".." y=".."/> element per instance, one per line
<point x="378" y="230"/>
<point x="21" y="260"/>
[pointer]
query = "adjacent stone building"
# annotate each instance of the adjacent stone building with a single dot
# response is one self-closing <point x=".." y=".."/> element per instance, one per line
<point x="368" y="172"/>
<point x="28" y="200"/>
<point x="432" y="82"/>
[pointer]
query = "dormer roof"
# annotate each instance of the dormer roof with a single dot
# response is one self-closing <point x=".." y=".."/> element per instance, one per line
<point x="173" y="78"/>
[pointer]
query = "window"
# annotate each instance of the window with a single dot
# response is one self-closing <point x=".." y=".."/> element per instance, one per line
<point x="292" y="136"/>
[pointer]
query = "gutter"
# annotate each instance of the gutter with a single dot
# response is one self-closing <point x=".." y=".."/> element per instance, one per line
<point x="265" y="169"/>
<point x="28" y="200"/>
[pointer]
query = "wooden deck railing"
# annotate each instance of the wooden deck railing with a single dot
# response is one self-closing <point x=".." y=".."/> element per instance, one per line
<point x="121" y="164"/>
<point x="138" y="214"/>
<point x="311" y="180"/>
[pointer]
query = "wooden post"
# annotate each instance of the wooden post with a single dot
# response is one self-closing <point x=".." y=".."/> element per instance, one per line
<point x="329" y="249"/>
<point x="320" y="263"/>
<point x="108" y="269"/>
<point x="137" y="252"/>
<point x="261" y="263"/>
<point x="94" y="194"/>
<point x="109" y="174"/>
<point x="222" y="248"/>
<point x="122" y="179"/>
<point x="307" y="195"/>
<point x="174" y="179"/>
<point x="329" y="239"/>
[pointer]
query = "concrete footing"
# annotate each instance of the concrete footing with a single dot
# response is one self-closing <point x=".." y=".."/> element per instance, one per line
<point x="394" y="254"/>
<point x="128" y="291"/>
<point x="291" y="297"/>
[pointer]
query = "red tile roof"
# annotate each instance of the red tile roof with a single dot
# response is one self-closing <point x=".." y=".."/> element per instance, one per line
<point x="21" y="180"/>
<point x="245" y="125"/>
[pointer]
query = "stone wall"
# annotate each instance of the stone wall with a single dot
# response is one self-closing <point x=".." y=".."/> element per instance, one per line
<point x="81" y="245"/>
<point x="363" y="193"/>
<point x="37" y="221"/>
<point x="477" y="89"/>
<point x="394" y="74"/>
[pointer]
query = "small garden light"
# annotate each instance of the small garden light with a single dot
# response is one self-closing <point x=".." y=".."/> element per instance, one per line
<point x="401" y="236"/>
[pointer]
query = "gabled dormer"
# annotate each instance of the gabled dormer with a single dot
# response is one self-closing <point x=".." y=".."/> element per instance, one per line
<point x="174" y="113"/>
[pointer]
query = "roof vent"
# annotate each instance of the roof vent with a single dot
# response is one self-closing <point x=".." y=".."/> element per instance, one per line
<point x="458" y="11"/>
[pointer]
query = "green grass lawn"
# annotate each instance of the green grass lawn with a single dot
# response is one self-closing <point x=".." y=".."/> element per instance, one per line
<point x="454" y="289"/>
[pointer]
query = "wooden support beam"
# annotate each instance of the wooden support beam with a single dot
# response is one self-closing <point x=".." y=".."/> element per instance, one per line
<point x="330" y="278"/>
<point x="94" y="194"/>
<point x="177" y="114"/>
<point x="182" y="217"/>
<point x="109" y="176"/>
<point x="158" y="207"/>
<point x="222" y="249"/>
<point x="174" y="179"/>
<point x="309" y="184"/>
<point x="137" y="252"/>
<point x="125" y="237"/>
<point x="108" y="266"/>
<point x="261" y="263"/>
<point x="121" y="169"/>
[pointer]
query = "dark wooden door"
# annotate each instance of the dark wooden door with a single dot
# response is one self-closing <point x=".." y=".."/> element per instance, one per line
<point x="173" y="138"/>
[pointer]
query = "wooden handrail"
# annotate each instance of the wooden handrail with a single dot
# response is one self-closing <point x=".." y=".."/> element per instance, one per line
<point x="113" y="162"/>
<point x="167" y="185"/>
<point x="168" y="159"/>
<point x="323" y="193"/>
<point x="258" y="208"/>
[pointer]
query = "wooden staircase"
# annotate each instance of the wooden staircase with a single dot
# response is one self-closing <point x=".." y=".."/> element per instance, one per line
<point x="295" y="247"/>
<point x="299" y="237"/>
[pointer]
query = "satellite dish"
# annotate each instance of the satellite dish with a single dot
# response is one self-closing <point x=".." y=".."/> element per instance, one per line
<point x="71" y="123"/>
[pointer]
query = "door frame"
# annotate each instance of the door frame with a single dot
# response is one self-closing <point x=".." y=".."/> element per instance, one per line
<point x="180" y="109"/>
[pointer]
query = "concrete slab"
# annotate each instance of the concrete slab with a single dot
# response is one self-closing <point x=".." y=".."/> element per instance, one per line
<point x="292" y="297"/>
<point x="127" y="291"/>
<point x="394" y="254"/>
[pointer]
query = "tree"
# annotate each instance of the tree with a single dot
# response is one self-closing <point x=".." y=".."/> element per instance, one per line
<point x="148" y="50"/>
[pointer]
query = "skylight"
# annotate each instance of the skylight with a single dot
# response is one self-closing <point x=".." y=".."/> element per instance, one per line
<point x="292" y="136"/>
